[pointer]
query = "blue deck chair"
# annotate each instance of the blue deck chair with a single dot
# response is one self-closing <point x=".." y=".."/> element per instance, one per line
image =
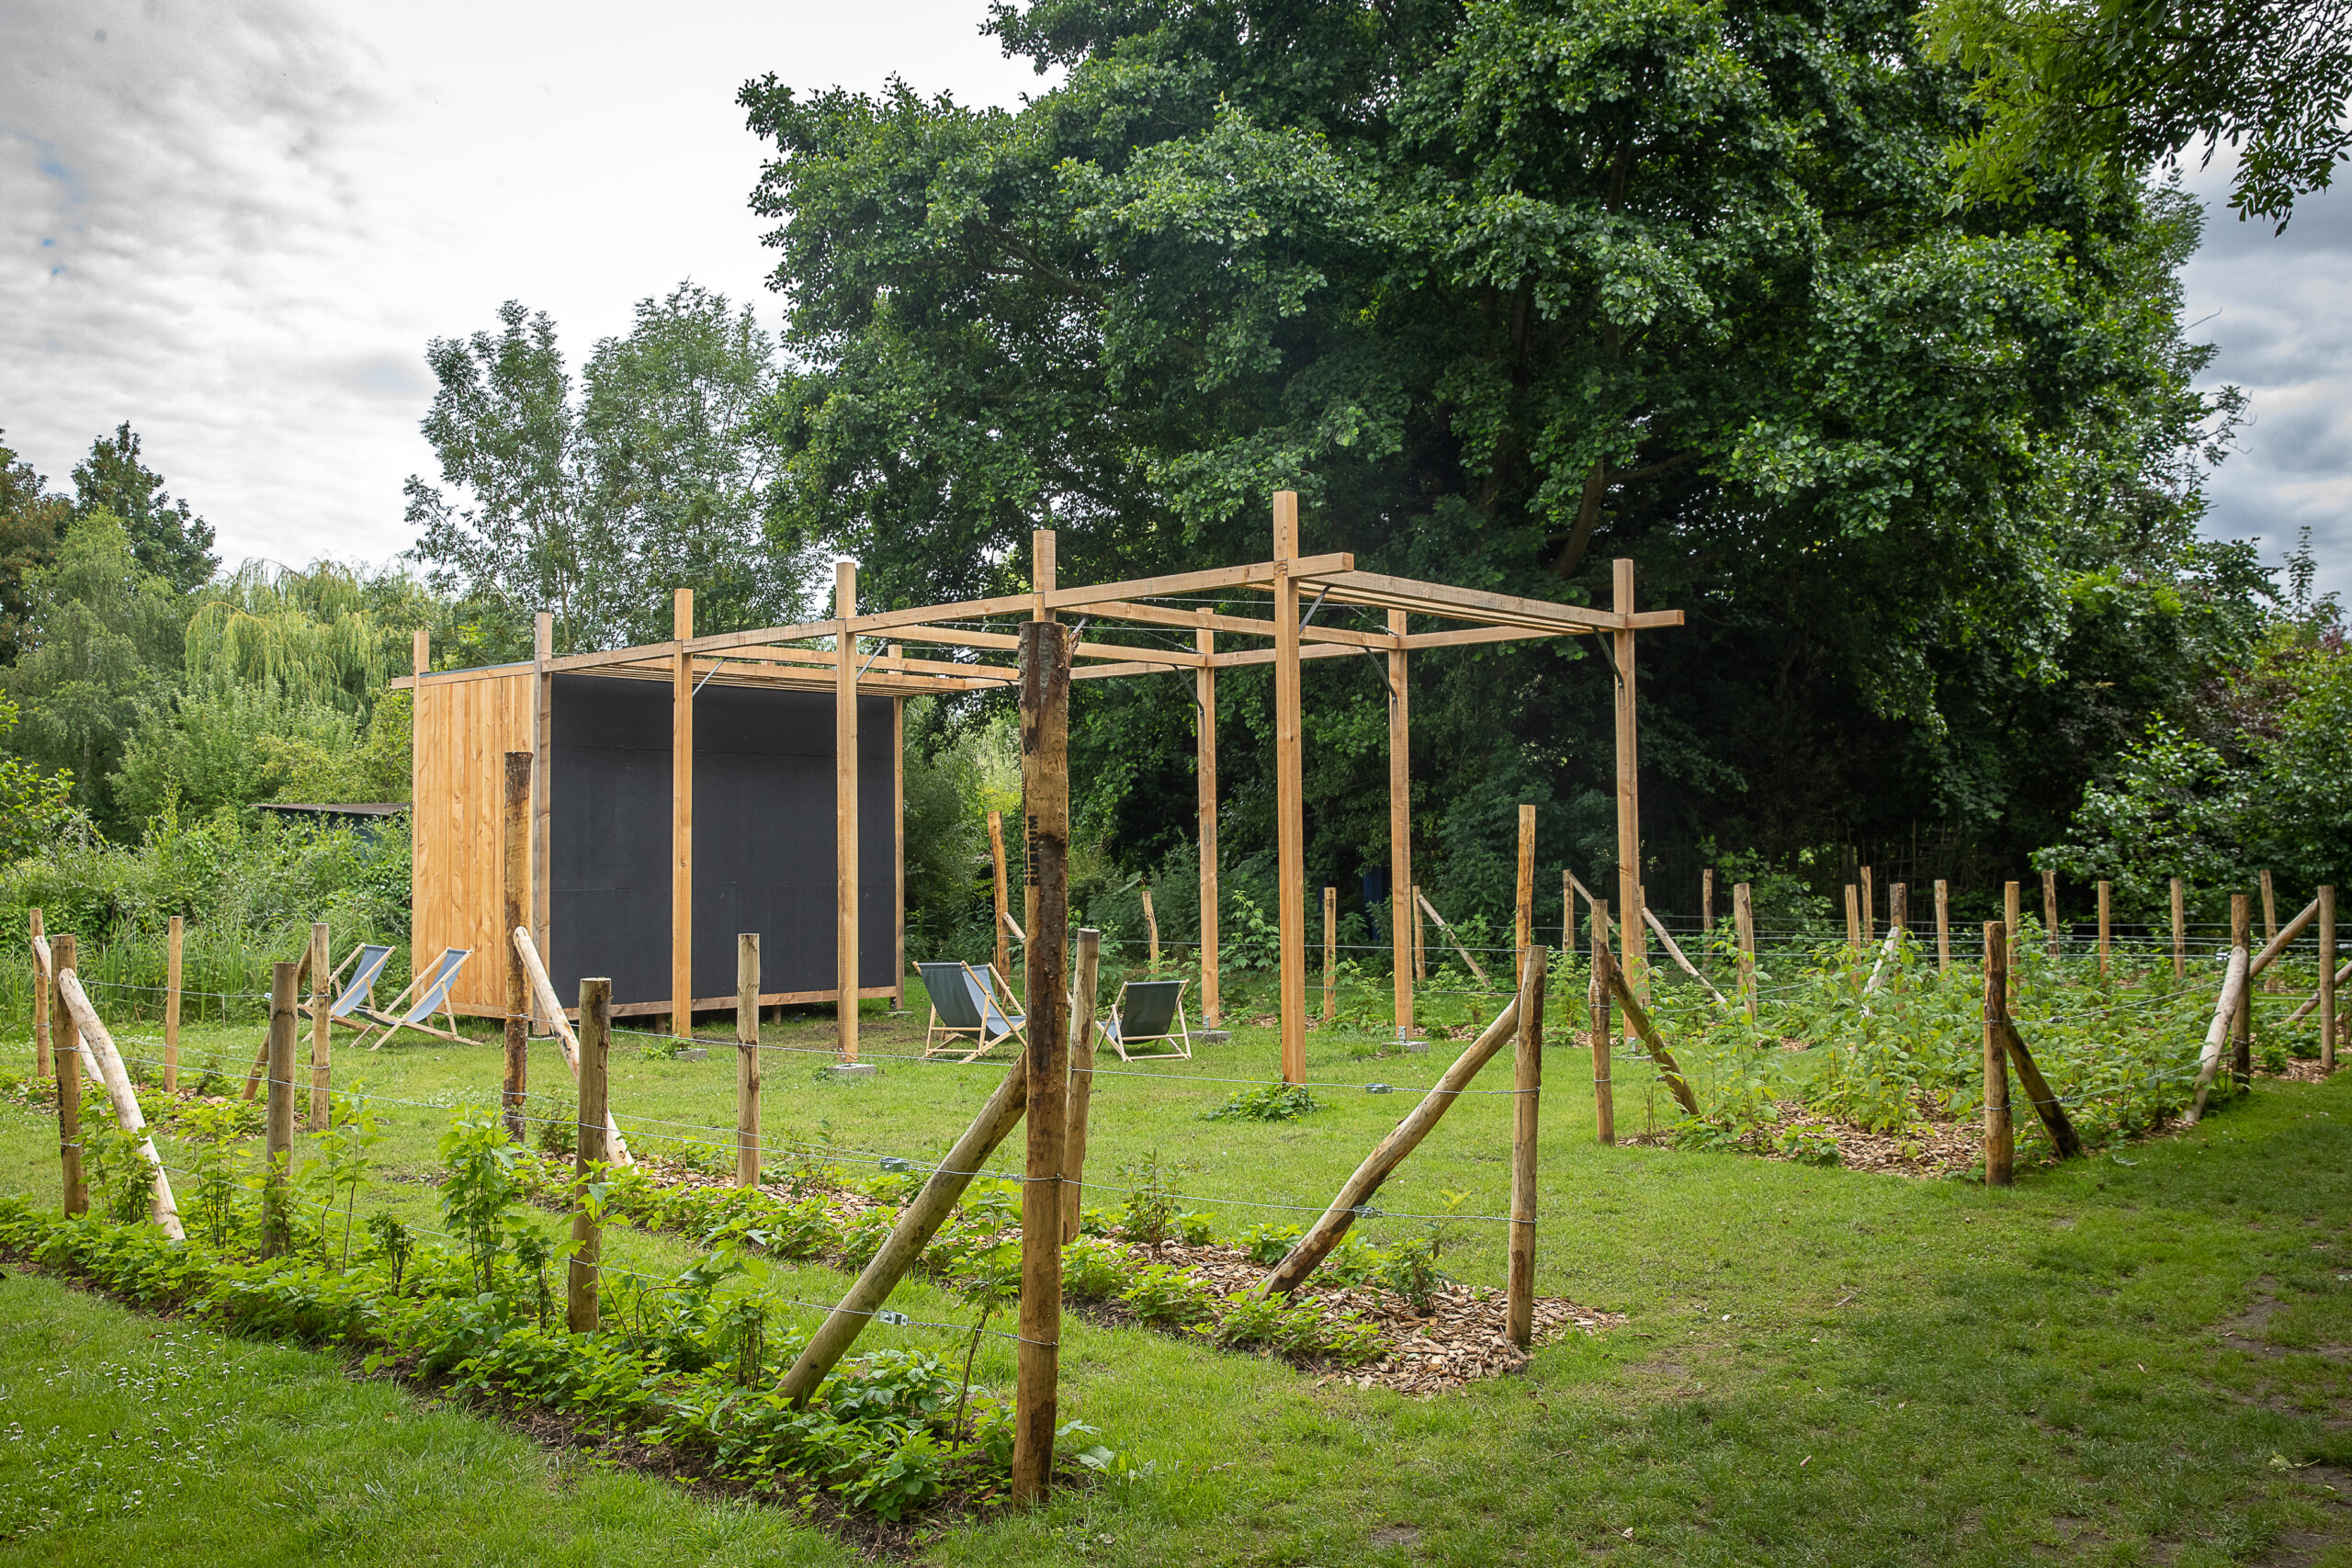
<point x="1149" y="1011"/>
<point x="358" y="991"/>
<point x="432" y="988"/>
<point x="964" y="1013"/>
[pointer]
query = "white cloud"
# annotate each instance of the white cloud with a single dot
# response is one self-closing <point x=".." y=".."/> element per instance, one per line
<point x="236" y="222"/>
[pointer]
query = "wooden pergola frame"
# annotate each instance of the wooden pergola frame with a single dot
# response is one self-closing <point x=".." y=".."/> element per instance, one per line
<point x="818" y="655"/>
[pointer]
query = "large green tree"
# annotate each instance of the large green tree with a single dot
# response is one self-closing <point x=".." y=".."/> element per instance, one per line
<point x="166" y="535"/>
<point x="1506" y="290"/>
<point x="32" y="521"/>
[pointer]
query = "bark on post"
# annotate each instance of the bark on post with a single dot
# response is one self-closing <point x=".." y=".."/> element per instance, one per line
<point x="2000" y="1138"/>
<point x="514" y="844"/>
<point x="1003" y="900"/>
<point x="1357" y="1191"/>
<point x="1527" y="1086"/>
<point x="2049" y="910"/>
<point x="322" y="1025"/>
<point x="1637" y="1019"/>
<point x="1943" y="926"/>
<point x="581" y="1277"/>
<point x="2106" y="895"/>
<point x="1330" y="955"/>
<point x="172" y="939"/>
<point x="1853" y="921"/>
<point x="278" y="1119"/>
<point x="1523" y="906"/>
<point x="1082" y="1079"/>
<point x="1633" y="946"/>
<point x="2179" y="932"/>
<point x="1707" y="901"/>
<point x="1870" y="909"/>
<point x="1604" y="1103"/>
<point x="66" y="1060"/>
<point x="1898" y="908"/>
<point x="1150" y="933"/>
<point x="747" y="1058"/>
<point x="1742" y="920"/>
<point x="2327" y="979"/>
<point x="1205" y="784"/>
<point x="98" y="1046"/>
<point x="2270" y="921"/>
<point x="1045" y="780"/>
<point x="2012" y="918"/>
<point x="2242" y="1023"/>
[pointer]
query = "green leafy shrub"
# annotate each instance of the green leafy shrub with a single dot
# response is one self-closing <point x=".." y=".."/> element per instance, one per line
<point x="1269" y="1243"/>
<point x="1149" y="1216"/>
<point x="1163" y="1293"/>
<point x="1095" y="1270"/>
<point x="1810" y="1146"/>
<point x="1269" y="1102"/>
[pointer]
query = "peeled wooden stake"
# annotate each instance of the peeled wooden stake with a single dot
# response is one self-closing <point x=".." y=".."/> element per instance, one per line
<point x="98" y="1051"/>
<point x="566" y="1041"/>
<point x="1638" y="1016"/>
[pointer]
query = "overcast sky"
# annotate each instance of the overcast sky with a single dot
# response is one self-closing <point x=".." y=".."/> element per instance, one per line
<point x="236" y="222"/>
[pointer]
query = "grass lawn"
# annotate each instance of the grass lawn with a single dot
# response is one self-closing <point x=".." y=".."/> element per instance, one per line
<point x="2133" y="1359"/>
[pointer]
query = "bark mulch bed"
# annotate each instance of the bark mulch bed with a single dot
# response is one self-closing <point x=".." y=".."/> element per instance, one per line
<point x="1932" y="1147"/>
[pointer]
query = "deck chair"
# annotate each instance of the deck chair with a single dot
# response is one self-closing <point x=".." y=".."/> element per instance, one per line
<point x="432" y="991"/>
<point x="1147" y="1010"/>
<point x="358" y="991"/>
<point x="964" y="1013"/>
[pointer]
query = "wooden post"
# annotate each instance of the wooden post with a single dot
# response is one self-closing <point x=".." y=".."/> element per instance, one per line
<point x="2179" y="932"/>
<point x="97" y="1045"/>
<point x="43" y="978"/>
<point x="1743" y="920"/>
<point x="2049" y="910"/>
<point x="2012" y="922"/>
<point x="1870" y="909"/>
<point x="322" y="1025"/>
<point x="1707" y="901"/>
<point x="2242" y="1023"/>
<point x="1523" y="909"/>
<point x="2000" y="1139"/>
<point x="1044" y="782"/>
<point x="174" y="936"/>
<point x="1003" y="899"/>
<point x="542" y="775"/>
<point x="1634" y="936"/>
<point x="616" y="1147"/>
<point x="747" y="1058"/>
<point x="1082" y="1079"/>
<point x="1527" y="1086"/>
<point x="2234" y="981"/>
<point x="279" y="1118"/>
<point x="2039" y="1094"/>
<point x="1943" y="925"/>
<point x="1567" y="911"/>
<point x="2105" y="911"/>
<point x="1402" y="952"/>
<point x="66" y="1046"/>
<point x="845" y="836"/>
<point x="1330" y="955"/>
<point x="515" y="843"/>
<point x="1356" y="1192"/>
<point x="897" y="844"/>
<point x="1420" y="944"/>
<point x="1290" y="827"/>
<point x="1042" y="580"/>
<point x="2327" y="979"/>
<point x="682" y="815"/>
<point x="1898" y="908"/>
<point x="2270" y="921"/>
<point x="1604" y="1103"/>
<point x="1638" y="1024"/>
<point x="587" y="1239"/>
<point x="1853" y="920"/>
<point x="1204" y="769"/>
<point x="1150" y="934"/>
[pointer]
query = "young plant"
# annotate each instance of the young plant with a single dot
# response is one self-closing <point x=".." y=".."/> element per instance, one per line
<point x="342" y="1161"/>
<point x="1270" y="1102"/>
<point x="480" y="1189"/>
<point x="1149" y="1216"/>
<point x="1163" y="1293"/>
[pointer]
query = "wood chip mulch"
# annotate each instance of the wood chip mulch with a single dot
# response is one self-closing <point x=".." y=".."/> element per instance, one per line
<point x="1932" y="1148"/>
<point x="2298" y="1070"/>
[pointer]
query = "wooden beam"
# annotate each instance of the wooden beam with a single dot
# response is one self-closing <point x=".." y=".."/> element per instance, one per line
<point x="1204" y="774"/>
<point x="1466" y="637"/>
<point x="1290" y="830"/>
<point x="1003" y="898"/>
<point x="542" y="783"/>
<point x="845" y="808"/>
<point x="956" y="637"/>
<point x="2000" y="1145"/>
<point x="681" y="814"/>
<point x="1400" y="826"/>
<point x="1244" y="625"/>
<point x="1041" y="583"/>
<point x="515" y="855"/>
<point x="1523" y="902"/>
<point x="897" y="849"/>
<point x="2326" y="999"/>
<point x="1527" y="1087"/>
<point x="1633" y="945"/>
<point x="1305" y="650"/>
<point x="65" y="1047"/>
<point x="1474" y="604"/>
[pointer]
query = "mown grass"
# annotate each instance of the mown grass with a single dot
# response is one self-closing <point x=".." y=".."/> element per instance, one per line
<point x="1821" y="1367"/>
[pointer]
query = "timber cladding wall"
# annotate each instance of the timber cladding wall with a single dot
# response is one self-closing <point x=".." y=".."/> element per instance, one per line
<point x="464" y="727"/>
<point x="764" y="835"/>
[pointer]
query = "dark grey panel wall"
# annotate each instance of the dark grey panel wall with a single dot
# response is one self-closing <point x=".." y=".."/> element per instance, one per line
<point x="763" y="837"/>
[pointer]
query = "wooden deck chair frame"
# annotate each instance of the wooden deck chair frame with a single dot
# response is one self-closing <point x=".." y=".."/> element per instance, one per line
<point x="1181" y="1037"/>
<point x="337" y="1011"/>
<point x="392" y="1022"/>
<point x="955" y="1035"/>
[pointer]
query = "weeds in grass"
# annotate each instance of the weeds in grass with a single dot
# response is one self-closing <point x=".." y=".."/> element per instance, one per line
<point x="1269" y="1102"/>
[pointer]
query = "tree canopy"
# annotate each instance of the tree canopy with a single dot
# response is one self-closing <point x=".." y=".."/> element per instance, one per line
<point x="167" y="536"/>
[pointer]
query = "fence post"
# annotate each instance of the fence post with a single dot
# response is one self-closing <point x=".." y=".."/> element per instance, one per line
<point x="1604" y="1103"/>
<point x="1082" y="1079"/>
<point x="2106" y="891"/>
<point x="42" y="981"/>
<point x="278" y="1120"/>
<point x="1707" y="901"/>
<point x="2012" y="923"/>
<point x="1330" y="955"/>
<point x="1943" y="926"/>
<point x="2269" y="926"/>
<point x="1853" y="921"/>
<point x="515" y="864"/>
<point x="2179" y="932"/>
<point x="1743" y="922"/>
<point x="1898" y="908"/>
<point x="1523" y="906"/>
<point x="67" y="1057"/>
<point x="172" y="939"/>
<point x="1003" y="899"/>
<point x="2049" y="910"/>
<point x="1045" y="780"/>
<point x="2000" y="1135"/>
<point x="747" y="1059"/>
<point x="1527" y="1086"/>
<point x="2242" y="1023"/>
<point x="1870" y="909"/>
<point x="321" y="1047"/>
<point x="579" y="1303"/>
<point x="2327" y="979"/>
